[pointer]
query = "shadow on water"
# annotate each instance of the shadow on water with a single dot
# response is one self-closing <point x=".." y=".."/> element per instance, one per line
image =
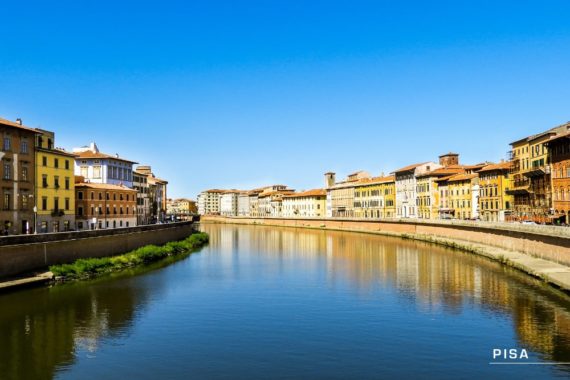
<point x="42" y="327"/>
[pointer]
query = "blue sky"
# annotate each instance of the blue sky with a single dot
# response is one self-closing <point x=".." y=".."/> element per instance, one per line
<point x="233" y="94"/>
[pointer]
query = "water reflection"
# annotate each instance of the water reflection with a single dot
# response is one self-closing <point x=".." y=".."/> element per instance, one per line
<point x="43" y="329"/>
<point x="432" y="278"/>
<point x="48" y="332"/>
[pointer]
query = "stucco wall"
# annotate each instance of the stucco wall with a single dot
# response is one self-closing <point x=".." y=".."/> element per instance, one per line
<point x="548" y="244"/>
<point x="35" y="254"/>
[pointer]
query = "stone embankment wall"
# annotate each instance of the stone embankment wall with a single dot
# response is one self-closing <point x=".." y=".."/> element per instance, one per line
<point x="27" y="253"/>
<point x="545" y="242"/>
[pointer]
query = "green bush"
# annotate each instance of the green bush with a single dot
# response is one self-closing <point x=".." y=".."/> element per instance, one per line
<point x="143" y="255"/>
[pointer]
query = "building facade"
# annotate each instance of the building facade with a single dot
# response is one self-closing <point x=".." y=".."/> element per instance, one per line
<point x="229" y="203"/>
<point x="102" y="206"/>
<point x="17" y="183"/>
<point x="495" y="204"/>
<point x="97" y="167"/>
<point x="340" y="196"/>
<point x="464" y="195"/>
<point x="311" y="203"/>
<point x="140" y="184"/>
<point x="406" y="188"/>
<point x="55" y="185"/>
<point x="374" y="198"/>
<point x="209" y="202"/>
<point x="559" y="148"/>
<point x="531" y="174"/>
<point x="243" y="203"/>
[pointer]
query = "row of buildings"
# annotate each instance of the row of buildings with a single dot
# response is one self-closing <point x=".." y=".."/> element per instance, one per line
<point x="533" y="184"/>
<point x="44" y="188"/>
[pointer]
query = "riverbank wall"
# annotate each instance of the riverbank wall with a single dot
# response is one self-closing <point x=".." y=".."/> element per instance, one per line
<point x="28" y="253"/>
<point x="542" y="251"/>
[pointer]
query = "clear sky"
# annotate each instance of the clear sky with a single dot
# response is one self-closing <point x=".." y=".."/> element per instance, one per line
<point x="237" y="94"/>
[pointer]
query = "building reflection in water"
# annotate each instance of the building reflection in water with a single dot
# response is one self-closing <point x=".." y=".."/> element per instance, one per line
<point x="42" y="331"/>
<point x="433" y="278"/>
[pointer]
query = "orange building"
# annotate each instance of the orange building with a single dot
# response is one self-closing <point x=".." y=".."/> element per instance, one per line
<point x="559" y="148"/>
<point x="102" y="205"/>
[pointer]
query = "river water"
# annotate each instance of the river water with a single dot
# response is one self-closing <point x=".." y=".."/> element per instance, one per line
<point x="262" y="302"/>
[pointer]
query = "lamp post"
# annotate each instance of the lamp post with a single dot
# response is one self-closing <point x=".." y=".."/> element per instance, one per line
<point x="35" y="220"/>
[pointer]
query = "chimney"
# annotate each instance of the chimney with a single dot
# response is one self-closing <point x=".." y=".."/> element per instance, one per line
<point x="19" y="121"/>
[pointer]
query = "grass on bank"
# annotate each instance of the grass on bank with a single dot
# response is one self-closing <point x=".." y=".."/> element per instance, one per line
<point x="140" y="256"/>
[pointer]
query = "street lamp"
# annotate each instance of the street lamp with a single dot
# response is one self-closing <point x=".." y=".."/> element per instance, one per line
<point x="35" y="220"/>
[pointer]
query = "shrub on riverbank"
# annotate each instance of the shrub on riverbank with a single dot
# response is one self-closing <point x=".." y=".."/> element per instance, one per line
<point x="144" y="255"/>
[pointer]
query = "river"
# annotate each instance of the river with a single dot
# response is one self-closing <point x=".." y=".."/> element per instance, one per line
<point x="265" y="302"/>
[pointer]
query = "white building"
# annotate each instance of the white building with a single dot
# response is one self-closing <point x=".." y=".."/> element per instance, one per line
<point x="406" y="189"/>
<point x="243" y="204"/>
<point x="229" y="203"/>
<point x="97" y="167"/>
<point x="209" y="202"/>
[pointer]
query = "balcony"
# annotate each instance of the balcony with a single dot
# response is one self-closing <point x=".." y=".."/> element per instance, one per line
<point x="537" y="171"/>
<point x="520" y="187"/>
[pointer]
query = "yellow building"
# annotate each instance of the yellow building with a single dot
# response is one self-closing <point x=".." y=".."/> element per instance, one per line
<point x="464" y="195"/>
<point x="55" y="186"/>
<point x="310" y="203"/>
<point x="495" y="205"/>
<point x="375" y="197"/>
<point x="428" y="192"/>
<point x="531" y="187"/>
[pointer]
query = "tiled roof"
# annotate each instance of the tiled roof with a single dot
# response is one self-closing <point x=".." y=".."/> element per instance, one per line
<point x="89" y="154"/>
<point x="409" y="167"/>
<point x="17" y="125"/>
<point x="500" y="166"/>
<point x="442" y="172"/>
<point x="103" y="186"/>
<point x="376" y="180"/>
<point x="308" y="193"/>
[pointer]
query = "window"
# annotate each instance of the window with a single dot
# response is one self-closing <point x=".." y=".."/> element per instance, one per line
<point x="44" y="180"/>
<point x="24" y="173"/>
<point x="100" y="196"/>
<point x="80" y="210"/>
<point x="44" y="161"/>
<point x="92" y="195"/>
<point x="24" y="146"/>
<point x="97" y="171"/>
<point x="44" y="203"/>
<point x="24" y="201"/>
<point x="6" y="203"/>
<point x="66" y="183"/>
<point x="7" y="143"/>
<point x="67" y="203"/>
<point x="80" y="195"/>
<point x="7" y="170"/>
<point x="56" y="182"/>
<point x="56" y="203"/>
<point x="66" y="164"/>
<point x="56" y="162"/>
<point x="83" y="171"/>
